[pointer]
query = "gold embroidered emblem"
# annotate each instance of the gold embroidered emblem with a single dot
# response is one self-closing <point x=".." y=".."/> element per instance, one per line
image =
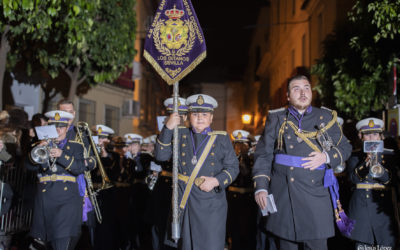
<point x="129" y="137"/>
<point x="371" y="123"/>
<point x="99" y="130"/>
<point x="239" y="135"/>
<point x="179" y="103"/>
<point x="200" y="100"/>
<point x="57" y="116"/>
<point x="335" y="156"/>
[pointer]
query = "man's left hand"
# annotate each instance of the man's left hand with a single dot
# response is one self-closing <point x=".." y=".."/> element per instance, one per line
<point x="209" y="183"/>
<point x="314" y="160"/>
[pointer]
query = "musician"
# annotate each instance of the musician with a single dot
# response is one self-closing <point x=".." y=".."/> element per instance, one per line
<point x="207" y="165"/>
<point x="58" y="205"/>
<point x="241" y="222"/>
<point x="88" y="217"/>
<point x="371" y="203"/>
<point x="106" y="234"/>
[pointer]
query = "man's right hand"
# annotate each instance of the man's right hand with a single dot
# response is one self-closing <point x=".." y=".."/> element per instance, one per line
<point x="261" y="199"/>
<point x="173" y="121"/>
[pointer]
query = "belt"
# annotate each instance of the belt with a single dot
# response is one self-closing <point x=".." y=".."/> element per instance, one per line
<point x="240" y="190"/>
<point x="55" y="177"/>
<point x="371" y="186"/>
<point x="198" y="181"/>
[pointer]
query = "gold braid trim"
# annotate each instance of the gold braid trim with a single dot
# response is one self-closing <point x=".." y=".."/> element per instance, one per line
<point x="280" y="135"/>
<point x="304" y="137"/>
<point x="181" y="75"/>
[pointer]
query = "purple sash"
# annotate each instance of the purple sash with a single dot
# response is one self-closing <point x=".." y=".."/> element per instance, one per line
<point x="344" y="224"/>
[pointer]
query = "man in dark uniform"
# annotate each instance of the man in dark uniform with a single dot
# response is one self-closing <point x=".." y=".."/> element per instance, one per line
<point x="58" y="204"/>
<point x="371" y="203"/>
<point x="88" y="216"/>
<point x="241" y="222"/>
<point x="106" y="233"/>
<point x="207" y="165"/>
<point x="161" y="196"/>
<point x="291" y="164"/>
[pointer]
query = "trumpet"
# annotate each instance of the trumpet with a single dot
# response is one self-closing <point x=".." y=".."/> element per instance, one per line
<point x="376" y="170"/>
<point x="40" y="154"/>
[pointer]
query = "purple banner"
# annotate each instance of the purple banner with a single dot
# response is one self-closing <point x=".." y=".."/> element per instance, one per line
<point x="175" y="43"/>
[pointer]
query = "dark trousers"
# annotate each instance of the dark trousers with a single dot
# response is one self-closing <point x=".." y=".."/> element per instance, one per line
<point x="308" y="245"/>
<point x="67" y="243"/>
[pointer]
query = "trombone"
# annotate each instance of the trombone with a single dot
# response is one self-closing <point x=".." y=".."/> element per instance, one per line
<point x="106" y="183"/>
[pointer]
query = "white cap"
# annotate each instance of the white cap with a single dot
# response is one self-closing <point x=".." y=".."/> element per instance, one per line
<point x="133" y="138"/>
<point x="150" y="139"/>
<point x="103" y="130"/>
<point x="340" y="120"/>
<point x="201" y="102"/>
<point x="182" y="107"/>
<point x="59" y="117"/>
<point x="370" y="124"/>
<point x="240" y="135"/>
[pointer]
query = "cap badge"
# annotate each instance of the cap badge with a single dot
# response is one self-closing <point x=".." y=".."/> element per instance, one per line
<point x="239" y="135"/>
<point x="200" y="100"/>
<point x="99" y="130"/>
<point x="371" y="123"/>
<point x="179" y="103"/>
<point x="57" y="117"/>
<point x="129" y="137"/>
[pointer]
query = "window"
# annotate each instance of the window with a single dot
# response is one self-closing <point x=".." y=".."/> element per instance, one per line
<point x="87" y="111"/>
<point x="112" y="116"/>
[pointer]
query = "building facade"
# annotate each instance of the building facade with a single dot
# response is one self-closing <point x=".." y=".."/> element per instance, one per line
<point x="288" y="37"/>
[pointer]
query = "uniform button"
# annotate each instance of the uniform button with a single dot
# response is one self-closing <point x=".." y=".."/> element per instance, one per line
<point x="312" y="180"/>
<point x="184" y="173"/>
<point x="289" y="137"/>
<point x="183" y="163"/>
<point x="291" y="146"/>
<point x="212" y="163"/>
<point x="166" y="180"/>
<point x="286" y="127"/>
<point x="213" y="145"/>
<point x="183" y="145"/>
<point x="292" y="179"/>
<point x="162" y="148"/>
<point x="382" y="195"/>
<point x="383" y="162"/>
<point x="212" y="153"/>
<point x="234" y="195"/>
<point x="65" y="189"/>
<point x="367" y="190"/>
<point x="291" y="168"/>
<point x="367" y="196"/>
<point x="44" y="190"/>
<point x="184" y="136"/>
<point x="382" y="156"/>
<point x="183" y="153"/>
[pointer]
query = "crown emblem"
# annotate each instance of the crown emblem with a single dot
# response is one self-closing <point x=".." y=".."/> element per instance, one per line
<point x="371" y="123"/>
<point x="129" y="137"/>
<point x="200" y="100"/>
<point x="239" y="136"/>
<point x="57" y="117"/>
<point x="179" y="103"/>
<point x="99" y="130"/>
<point x="174" y="13"/>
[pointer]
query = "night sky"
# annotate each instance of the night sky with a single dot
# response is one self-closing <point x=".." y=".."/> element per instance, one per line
<point x="227" y="26"/>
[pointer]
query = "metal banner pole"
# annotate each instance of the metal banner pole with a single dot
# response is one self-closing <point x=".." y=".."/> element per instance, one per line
<point x="176" y="233"/>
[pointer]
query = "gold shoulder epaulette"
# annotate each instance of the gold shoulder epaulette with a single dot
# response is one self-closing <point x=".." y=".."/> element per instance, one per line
<point x="323" y="107"/>
<point x="217" y="133"/>
<point x="276" y="110"/>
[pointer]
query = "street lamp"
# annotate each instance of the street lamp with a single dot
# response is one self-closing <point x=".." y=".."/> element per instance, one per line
<point x="246" y="119"/>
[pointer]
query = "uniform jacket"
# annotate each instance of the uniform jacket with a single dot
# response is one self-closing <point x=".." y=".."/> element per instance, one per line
<point x="372" y="209"/>
<point x="305" y="210"/>
<point x="58" y="205"/>
<point x="204" y="217"/>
